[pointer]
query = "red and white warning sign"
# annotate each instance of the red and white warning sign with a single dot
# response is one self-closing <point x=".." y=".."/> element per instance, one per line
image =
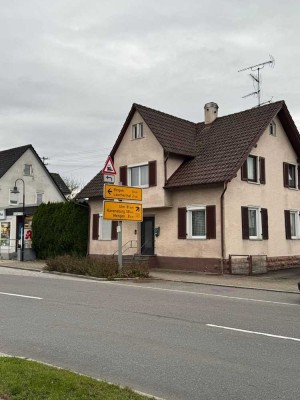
<point x="109" y="168"/>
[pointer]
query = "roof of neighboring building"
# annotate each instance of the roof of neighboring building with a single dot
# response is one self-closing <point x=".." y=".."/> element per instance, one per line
<point x="10" y="156"/>
<point x="93" y="189"/>
<point x="60" y="183"/>
<point x="214" y="152"/>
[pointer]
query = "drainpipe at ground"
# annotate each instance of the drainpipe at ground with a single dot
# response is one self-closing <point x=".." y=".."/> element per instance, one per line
<point x="222" y="228"/>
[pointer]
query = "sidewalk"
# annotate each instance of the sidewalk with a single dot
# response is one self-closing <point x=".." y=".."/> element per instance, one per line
<point x="281" y="281"/>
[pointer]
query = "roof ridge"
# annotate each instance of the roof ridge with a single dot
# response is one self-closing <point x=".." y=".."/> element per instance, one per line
<point x="164" y="113"/>
<point x="17" y="148"/>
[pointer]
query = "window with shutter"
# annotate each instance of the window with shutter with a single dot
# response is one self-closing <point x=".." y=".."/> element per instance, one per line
<point x="292" y="224"/>
<point x="140" y="174"/>
<point x="290" y="176"/>
<point x="201" y="222"/>
<point x="253" y="170"/>
<point x="255" y="223"/>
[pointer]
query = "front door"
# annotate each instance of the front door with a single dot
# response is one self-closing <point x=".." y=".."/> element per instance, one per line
<point x="147" y="236"/>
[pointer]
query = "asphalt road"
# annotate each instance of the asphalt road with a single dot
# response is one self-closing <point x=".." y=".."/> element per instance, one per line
<point x="172" y="340"/>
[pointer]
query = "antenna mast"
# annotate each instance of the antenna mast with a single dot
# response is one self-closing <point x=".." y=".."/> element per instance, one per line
<point x="257" y="78"/>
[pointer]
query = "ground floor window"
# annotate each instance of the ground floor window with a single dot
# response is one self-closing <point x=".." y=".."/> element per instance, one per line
<point x="197" y="222"/>
<point x="292" y="224"/>
<point x="103" y="229"/>
<point x="5" y="233"/>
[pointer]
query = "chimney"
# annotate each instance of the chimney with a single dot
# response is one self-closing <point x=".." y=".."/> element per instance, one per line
<point x="210" y="112"/>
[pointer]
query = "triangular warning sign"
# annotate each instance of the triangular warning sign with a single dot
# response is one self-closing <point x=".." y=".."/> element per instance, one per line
<point x="109" y="167"/>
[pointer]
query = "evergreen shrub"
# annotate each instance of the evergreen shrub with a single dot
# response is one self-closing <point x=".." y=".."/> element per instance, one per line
<point x="60" y="228"/>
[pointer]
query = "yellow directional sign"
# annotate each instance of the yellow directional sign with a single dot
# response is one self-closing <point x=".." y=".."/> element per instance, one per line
<point x="122" y="192"/>
<point x="121" y="211"/>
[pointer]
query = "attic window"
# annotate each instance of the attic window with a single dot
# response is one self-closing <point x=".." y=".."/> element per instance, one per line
<point x="28" y="170"/>
<point x="137" y="131"/>
<point x="272" y="128"/>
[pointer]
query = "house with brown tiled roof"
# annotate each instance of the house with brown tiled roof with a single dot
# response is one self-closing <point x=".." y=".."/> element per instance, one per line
<point x="25" y="183"/>
<point x="222" y="194"/>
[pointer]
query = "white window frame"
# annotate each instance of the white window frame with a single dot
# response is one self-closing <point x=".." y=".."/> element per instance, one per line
<point x="129" y="169"/>
<point x="258" y="235"/>
<point x="11" y="202"/>
<point x="27" y="166"/>
<point x="137" y="131"/>
<point x="189" y="225"/>
<point x="105" y="227"/>
<point x="256" y="158"/>
<point x="296" y="213"/>
<point x="36" y="197"/>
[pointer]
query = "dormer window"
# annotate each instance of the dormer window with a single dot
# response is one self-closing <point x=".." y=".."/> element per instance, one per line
<point x="272" y="128"/>
<point x="137" y="131"/>
<point x="27" y="170"/>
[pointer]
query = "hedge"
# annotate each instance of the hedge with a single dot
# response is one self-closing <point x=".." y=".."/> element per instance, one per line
<point x="60" y="228"/>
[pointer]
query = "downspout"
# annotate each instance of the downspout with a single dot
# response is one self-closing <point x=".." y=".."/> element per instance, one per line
<point x="165" y="166"/>
<point x="222" y="228"/>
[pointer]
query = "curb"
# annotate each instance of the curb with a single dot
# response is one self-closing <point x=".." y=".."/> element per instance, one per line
<point x="150" y="277"/>
<point x="228" y="285"/>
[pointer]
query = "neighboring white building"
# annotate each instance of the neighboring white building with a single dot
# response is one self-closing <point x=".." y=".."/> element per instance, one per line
<point x="21" y="167"/>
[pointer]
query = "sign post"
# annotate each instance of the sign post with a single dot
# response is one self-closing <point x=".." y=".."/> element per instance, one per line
<point x="120" y="210"/>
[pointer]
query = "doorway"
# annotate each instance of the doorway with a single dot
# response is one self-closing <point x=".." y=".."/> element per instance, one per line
<point x="147" y="236"/>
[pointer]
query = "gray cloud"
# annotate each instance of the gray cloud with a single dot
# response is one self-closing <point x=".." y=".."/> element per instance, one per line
<point x="71" y="69"/>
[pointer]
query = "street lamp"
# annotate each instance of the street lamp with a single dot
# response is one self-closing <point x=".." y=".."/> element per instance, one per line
<point x="16" y="191"/>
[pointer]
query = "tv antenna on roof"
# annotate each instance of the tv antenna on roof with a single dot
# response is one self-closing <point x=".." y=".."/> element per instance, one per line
<point x="257" y="78"/>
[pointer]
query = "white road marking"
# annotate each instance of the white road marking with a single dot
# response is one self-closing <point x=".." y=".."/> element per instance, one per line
<point x="201" y="293"/>
<point x="253" y="332"/>
<point x="21" y="295"/>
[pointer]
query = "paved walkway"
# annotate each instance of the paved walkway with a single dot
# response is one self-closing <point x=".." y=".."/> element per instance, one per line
<point x="283" y="280"/>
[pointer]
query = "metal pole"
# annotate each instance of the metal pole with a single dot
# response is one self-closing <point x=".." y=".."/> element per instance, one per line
<point x="119" y="246"/>
<point x="23" y="220"/>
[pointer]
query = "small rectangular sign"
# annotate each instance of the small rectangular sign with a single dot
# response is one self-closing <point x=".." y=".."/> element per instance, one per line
<point x="122" y="192"/>
<point x="120" y="211"/>
<point x="108" y="178"/>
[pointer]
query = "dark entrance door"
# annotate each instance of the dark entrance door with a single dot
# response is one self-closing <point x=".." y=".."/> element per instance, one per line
<point x="147" y="236"/>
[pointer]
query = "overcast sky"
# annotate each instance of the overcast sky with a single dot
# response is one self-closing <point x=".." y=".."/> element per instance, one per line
<point x="71" y="69"/>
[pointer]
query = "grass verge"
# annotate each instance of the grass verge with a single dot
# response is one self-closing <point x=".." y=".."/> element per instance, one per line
<point x="29" y="380"/>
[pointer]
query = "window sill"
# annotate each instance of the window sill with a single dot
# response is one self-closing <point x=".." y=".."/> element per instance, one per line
<point x="254" y="183"/>
<point x="196" y="238"/>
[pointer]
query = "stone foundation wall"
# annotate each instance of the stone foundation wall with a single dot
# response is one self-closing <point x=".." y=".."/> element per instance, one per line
<point x="284" y="262"/>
